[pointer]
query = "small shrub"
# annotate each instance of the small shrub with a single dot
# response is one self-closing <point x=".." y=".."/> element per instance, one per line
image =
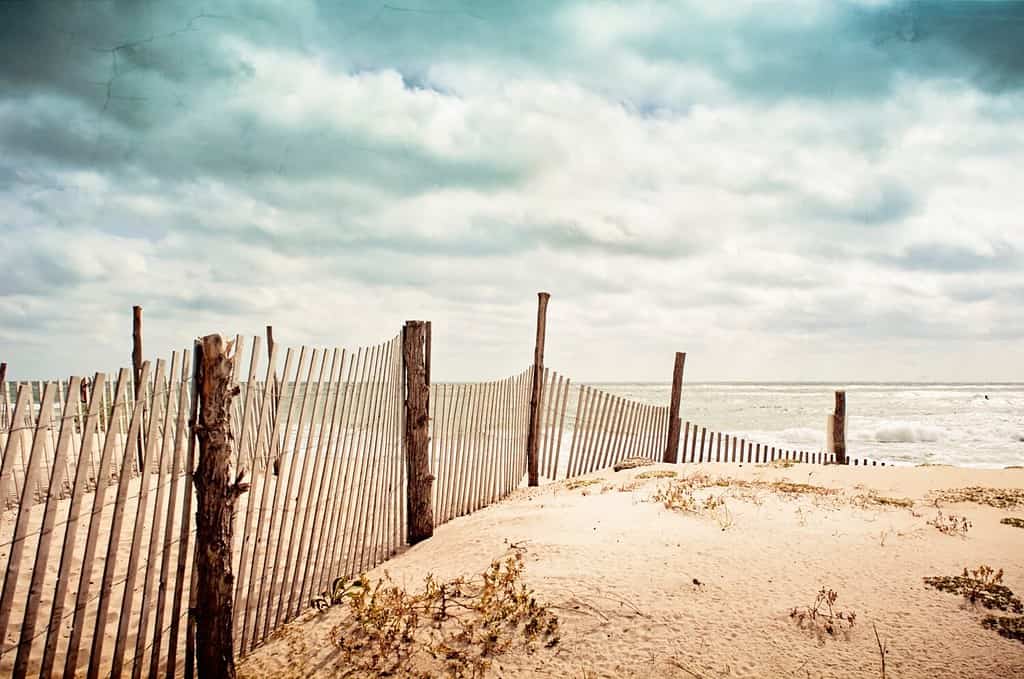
<point x="453" y="627"/>
<point x="1013" y="521"/>
<point x="951" y="524"/>
<point x="982" y="585"/>
<point x="823" y="618"/>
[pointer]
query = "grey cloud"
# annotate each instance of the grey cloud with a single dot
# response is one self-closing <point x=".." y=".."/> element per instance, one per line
<point x="950" y="258"/>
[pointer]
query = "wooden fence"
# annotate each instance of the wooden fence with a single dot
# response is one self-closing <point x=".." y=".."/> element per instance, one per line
<point x="98" y="546"/>
<point x="607" y="428"/>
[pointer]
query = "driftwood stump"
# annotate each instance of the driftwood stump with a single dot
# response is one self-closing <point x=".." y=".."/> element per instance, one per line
<point x="216" y="495"/>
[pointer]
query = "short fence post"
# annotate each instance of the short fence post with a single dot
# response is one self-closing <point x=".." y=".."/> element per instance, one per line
<point x="216" y="494"/>
<point x="839" y="428"/>
<point x="533" y="436"/>
<point x="674" y="423"/>
<point x="417" y="446"/>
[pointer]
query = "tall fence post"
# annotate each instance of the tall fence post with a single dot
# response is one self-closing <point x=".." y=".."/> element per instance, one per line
<point x="674" y="423"/>
<point x="216" y="494"/>
<point x="137" y="368"/>
<point x="533" y="436"/>
<point x="417" y="445"/>
<point x="839" y="428"/>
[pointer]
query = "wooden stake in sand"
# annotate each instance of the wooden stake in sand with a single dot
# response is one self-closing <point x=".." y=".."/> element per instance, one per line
<point x="532" y="456"/>
<point x="672" y="447"/>
<point x="839" y="428"/>
<point x="216" y="494"/>
<point x="417" y="407"/>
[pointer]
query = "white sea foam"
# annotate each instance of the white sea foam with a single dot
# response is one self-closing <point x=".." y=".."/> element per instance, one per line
<point x="907" y="432"/>
<point x="802" y="435"/>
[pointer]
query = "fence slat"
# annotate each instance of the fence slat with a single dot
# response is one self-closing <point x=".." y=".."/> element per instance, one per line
<point x="39" y="570"/>
<point x="155" y="413"/>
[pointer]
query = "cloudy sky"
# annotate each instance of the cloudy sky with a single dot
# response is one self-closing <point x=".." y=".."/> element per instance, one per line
<point x="813" y="190"/>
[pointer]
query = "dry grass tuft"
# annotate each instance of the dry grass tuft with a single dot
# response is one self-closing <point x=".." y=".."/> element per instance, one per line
<point x="951" y="524"/>
<point x="1013" y="521"/>
<point x="575" y="484"/>
<point x="823" y="618"/>
<point x="1001" y="498"/>
<point x="657" y="474"/>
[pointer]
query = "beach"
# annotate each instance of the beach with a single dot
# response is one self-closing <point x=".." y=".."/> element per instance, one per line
<point x="644" y="590"/>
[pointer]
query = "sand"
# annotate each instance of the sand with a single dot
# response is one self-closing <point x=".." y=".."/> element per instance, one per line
<point x="620" y="569"/>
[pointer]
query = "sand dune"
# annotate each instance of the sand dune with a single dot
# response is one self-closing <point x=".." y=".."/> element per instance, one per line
<point x="620" y="569"/>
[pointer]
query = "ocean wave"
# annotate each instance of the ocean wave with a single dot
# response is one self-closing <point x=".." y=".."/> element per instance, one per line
<point x="907" y="432"/>
<point x="802" y="435"/>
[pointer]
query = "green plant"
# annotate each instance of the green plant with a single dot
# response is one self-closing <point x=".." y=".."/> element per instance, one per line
<point x="574" y="484"/>
<point x="823" y="618"/>
<point x="454" y="627"/>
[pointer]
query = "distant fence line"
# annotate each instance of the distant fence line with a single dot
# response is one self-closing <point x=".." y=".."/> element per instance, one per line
<point x="99" y="574"/>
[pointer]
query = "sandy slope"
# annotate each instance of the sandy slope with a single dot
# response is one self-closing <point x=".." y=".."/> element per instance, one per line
<point x="629" y="564"/>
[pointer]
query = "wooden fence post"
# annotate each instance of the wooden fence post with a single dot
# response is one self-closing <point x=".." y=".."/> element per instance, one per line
<point x="674" y="423"/>
<point x="137" y="367"/>
<point x="533" y="436"/>
<point x="216" y="494"/>
<point x="839" y="428"/>
<point x="417" y="445"/>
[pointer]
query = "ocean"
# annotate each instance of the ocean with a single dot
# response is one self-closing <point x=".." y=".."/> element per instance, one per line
<point x="971" y="425"/>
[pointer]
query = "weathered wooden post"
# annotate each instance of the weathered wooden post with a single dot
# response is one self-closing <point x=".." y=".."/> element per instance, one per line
<point x="417" y="420"/>
<point x="674" y="423"/>
<point x="136" y="346"/>
<point x="137" y="367"/>
<point x="215" y="510"/>
<point x="839" y="428"/>
<point x="4" y="398"/>
<point x="533" y="435"/>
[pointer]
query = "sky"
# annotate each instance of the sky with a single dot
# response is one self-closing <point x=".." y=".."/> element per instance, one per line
<point x="809" y="190"/>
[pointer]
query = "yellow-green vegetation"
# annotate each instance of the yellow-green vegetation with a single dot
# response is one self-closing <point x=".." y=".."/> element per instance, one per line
<point x="1013" y="521"/>
<point x="657" y="474"/>
<point x="781" y="463"/>
<point x="982" y="585"/>
<point x="678" y="496"/>
<point x="823" y="617"/>
<point x="453" y="628"/>
<point x="1002" y="498"/>
<point x="873" y="499"/>
<point x="1009" y="626"/>
<point x="576" y="484"/>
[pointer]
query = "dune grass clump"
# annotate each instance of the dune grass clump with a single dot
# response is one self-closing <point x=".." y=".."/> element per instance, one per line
<point x="873" y="499"/>
<point x="453" y="628"/>
<point x="1001" y="498"/>
<point x="576" y="484"/>
<point x="982" y="585"/>
<point x="823" y="617"/>
<point x="1013" y="521"/>
<point x="678" y="496"/>
<point x="657" y="474"/>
